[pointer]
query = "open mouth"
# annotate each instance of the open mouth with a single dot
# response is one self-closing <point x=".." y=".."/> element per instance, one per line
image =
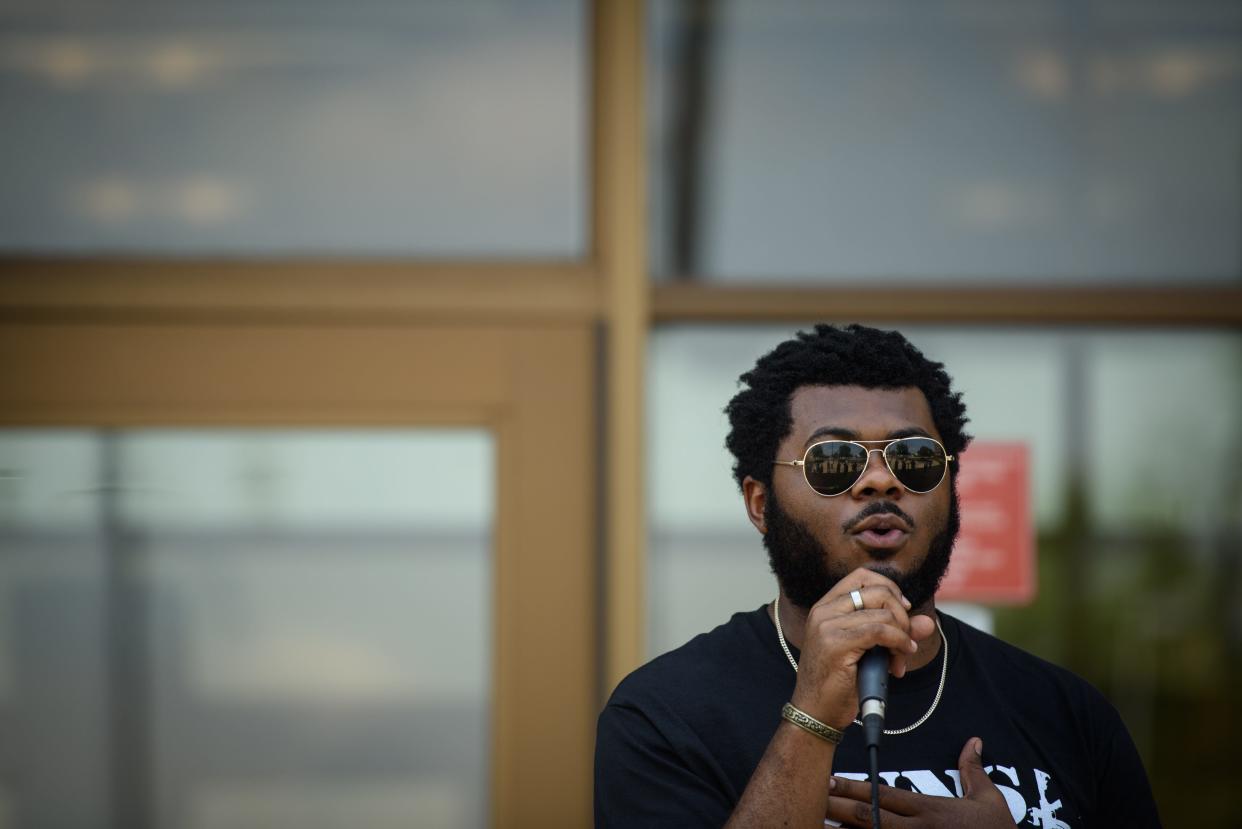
<point x="881" y="534"/>
<point x="881" y="538"/>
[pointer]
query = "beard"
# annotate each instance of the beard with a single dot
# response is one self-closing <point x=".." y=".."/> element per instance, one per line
<point x="805" y="570"/>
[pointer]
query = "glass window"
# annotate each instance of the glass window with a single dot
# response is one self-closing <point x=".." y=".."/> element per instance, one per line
<point x="1137" y="497"/>
<point x="238" y="628"/>
<point x="431" y="129"/>
<point x="900" y="140"/>
<point x="1015" y="386"/>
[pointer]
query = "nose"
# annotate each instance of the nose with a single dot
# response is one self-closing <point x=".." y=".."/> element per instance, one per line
<point x="877" y="479"/>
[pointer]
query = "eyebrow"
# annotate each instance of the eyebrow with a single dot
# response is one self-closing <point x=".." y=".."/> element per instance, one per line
<point x="849" y="434"/>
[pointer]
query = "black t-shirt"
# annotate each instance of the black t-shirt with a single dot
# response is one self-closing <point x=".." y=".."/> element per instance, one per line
<point x="680" y="737"/>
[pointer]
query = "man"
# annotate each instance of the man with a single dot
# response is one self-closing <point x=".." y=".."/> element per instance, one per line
<point x="845" y="443"/>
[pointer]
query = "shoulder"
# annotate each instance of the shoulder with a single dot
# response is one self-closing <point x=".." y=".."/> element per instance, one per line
<point x="670" y="748"/>
<point x="1003" y="659"/>
<point x="1073" y="726"/>
<point x="711" y="659"/>
<point x="691" y="695"/>
<point x="673" y="727"/>
<point x="1001" y="654"/>
<point x="1028" y="680"/>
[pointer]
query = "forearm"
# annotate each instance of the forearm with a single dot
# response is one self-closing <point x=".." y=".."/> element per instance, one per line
<point x="790" y="785"/>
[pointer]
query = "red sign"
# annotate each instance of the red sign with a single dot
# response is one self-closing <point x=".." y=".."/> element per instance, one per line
<point x="994" y="558"/>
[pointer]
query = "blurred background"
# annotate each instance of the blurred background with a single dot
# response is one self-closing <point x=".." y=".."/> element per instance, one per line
<point x="364" y="364"/>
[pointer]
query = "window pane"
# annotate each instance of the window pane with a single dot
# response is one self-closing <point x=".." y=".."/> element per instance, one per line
<point x="1166" y="427"/>
<point x="1134" y="441"/>
<point x="1043" y="141"/>
<point x="251" y="627"/>
<point x="1014" y="385"/>
<point x="436" y="129"/>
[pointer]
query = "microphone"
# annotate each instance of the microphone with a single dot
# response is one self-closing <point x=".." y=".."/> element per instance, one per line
<point x="872" y="699"/>
<point x="873" y="693"/>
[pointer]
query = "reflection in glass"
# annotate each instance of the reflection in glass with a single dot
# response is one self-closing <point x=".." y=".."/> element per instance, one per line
<point x="901" y="140"/>
<point x="438" y="129"/>
<point x="243" y="628"/>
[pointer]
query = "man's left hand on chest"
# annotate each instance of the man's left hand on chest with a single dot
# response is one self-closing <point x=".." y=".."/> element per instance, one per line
<point x="981" y="806"/>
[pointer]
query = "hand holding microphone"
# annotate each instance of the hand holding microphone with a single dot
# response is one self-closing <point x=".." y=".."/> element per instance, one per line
<point x="837" y="634"/>
<point x="853" y="637"/>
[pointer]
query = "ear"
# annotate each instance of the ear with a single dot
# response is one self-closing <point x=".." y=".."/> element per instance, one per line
<point x="755" y="496"/>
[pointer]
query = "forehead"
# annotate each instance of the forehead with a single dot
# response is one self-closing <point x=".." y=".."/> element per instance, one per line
<point x="871" y="413"/>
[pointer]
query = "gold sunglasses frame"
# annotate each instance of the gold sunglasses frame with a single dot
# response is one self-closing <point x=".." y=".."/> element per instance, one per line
<point x="860" y="443"/>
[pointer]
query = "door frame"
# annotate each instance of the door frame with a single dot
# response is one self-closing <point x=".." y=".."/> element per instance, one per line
<point x="532" y="387"/>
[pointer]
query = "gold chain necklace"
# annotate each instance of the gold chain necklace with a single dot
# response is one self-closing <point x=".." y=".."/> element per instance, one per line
<point x="944" y="668"/>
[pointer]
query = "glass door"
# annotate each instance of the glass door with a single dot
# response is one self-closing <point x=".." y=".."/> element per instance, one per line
<point x="249" y="585"/>
<point x="256" y="627"/>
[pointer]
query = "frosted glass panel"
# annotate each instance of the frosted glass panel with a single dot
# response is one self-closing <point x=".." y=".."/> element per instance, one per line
<point x="367" y="127"/>
<point x="1166" y="427"/>
<point x="48" y="479"/>
<point x="1105" y="413"/>
<point x="238" y="628"/>
<point x="1025" y="140"/>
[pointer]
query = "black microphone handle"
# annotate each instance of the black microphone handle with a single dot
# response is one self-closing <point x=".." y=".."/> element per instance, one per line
<point x="872" y="699"/>
<point x="873" y="692"/>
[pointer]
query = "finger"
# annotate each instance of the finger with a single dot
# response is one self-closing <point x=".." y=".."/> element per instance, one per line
<point x="921" y="627"/>
<point x="897" y="801"/>
<point x="868" y="628"/>
<point x="868" y="580"/>
<point x="867" y="619"/>
<point x="872" y="595"/>
<point x="858" y="580"/>
<point x="975" y="781"/>
<point x="875" y="597"/>
<point x="856" y="813"/>
<point x="921" y="630"/>
<point x="864" y="634"/>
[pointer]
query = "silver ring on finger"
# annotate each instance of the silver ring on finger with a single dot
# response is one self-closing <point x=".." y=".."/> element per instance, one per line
<point x="857" y="599"/>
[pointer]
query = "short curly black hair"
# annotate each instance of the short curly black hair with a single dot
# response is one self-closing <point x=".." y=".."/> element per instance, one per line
<point x="759" y="416"/>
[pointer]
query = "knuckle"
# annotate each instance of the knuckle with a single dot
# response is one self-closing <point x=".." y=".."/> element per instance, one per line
<point x="862" y="575"/>
<point x="877" y="597"/>
<point x="819" y="616"/>
<point x="889" y="635"/>
<point x="881" y="618"/>
<point x="880" y="580"/>
<point x="878" y="631"/>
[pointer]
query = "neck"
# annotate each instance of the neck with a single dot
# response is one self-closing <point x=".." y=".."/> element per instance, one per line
<point x="793" y="623"/>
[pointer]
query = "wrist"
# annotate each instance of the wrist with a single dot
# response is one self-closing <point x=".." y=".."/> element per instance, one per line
<point x="804" y="721"/>
<point x="833" y="715"/>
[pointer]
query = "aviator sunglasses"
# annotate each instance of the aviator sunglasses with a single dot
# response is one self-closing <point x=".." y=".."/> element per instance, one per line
<point x="832" y="467"/>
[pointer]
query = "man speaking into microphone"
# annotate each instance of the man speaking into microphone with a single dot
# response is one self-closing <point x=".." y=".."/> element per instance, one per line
<point x="845" y="443"/>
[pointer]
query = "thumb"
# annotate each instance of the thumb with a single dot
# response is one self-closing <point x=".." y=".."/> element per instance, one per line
<point x="975" y="781"/>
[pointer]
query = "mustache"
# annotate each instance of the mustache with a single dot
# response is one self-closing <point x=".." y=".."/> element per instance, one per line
<point x="877" y="508"/>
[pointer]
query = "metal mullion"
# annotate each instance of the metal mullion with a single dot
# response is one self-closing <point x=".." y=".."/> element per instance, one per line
<point x="1161" y="305"/>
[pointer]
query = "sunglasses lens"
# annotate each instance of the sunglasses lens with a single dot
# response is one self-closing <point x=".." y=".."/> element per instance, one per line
<point x="833" y="466"/>
<point x="919" y="463"/>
